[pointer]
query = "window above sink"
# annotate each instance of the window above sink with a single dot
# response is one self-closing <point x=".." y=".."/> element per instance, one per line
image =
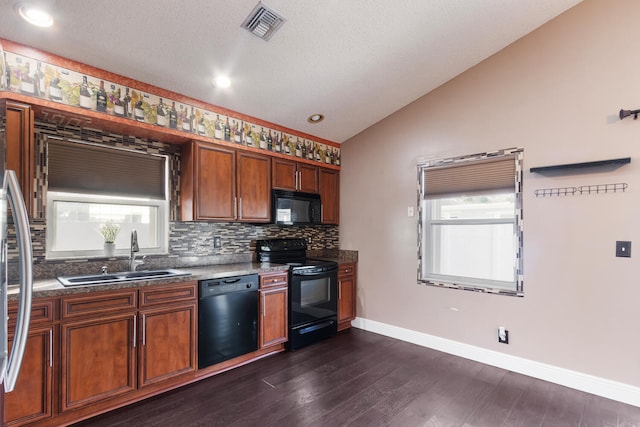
<point x="90" y="185"/>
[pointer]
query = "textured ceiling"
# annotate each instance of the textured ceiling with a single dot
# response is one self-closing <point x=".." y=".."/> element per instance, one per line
<point x="355" y="61"/>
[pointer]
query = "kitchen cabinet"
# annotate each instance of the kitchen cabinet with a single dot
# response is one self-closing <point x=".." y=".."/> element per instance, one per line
<point x="217" y="183"/>
<point x="98" y="340"/>
<point x="103" y="333"/>
<point x="294" y="176"/>
<point x="330" y="195"/>
<point x="346" y="295"/>
<point x="254" y="187"/>
<point x="32" y="398"/>
<point x="274" y="300"/>
<point x="167" y="336"/>
<point x="19" y="145"/>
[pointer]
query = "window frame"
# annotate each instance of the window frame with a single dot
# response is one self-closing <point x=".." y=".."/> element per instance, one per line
<point x="424" y="272"/>
<point x="162" y="224"/>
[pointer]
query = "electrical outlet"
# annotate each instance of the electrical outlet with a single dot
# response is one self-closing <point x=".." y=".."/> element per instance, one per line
<point x="623" y="249"/>
<point x="503" y="335"/>
<point x="217" y="242"/>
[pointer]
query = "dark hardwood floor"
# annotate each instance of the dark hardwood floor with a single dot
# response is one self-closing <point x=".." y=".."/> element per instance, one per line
<point x="364" y="379"/>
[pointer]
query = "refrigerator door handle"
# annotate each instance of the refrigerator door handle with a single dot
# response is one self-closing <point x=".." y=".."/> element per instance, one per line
<point x="23" y="235"/>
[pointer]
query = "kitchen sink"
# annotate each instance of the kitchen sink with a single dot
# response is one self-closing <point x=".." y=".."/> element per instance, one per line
<point x="125" y="276"/>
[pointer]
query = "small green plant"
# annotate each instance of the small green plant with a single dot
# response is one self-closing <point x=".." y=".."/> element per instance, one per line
<point x="109" y="232"/>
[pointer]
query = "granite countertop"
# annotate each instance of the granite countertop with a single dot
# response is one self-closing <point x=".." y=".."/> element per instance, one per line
<point x="52" y="288"/>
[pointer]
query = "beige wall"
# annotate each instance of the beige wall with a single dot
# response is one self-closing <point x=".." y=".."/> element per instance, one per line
<point x="556" y="93"/>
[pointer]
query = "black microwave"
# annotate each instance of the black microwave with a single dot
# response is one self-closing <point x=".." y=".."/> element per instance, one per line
<point x="295" y="208"/>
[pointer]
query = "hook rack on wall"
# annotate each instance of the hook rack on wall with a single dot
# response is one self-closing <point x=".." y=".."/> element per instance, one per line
<point x="585" y="189"/>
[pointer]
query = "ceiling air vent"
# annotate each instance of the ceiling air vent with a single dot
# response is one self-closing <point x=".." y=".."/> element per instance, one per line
<point x="263" y="22"/>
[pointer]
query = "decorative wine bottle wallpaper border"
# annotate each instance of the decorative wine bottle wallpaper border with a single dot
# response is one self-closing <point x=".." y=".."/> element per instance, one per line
<point x="35" y="78"/>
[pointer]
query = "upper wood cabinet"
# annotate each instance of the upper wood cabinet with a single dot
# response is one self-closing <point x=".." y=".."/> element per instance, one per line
<point x="254" y="187"/>
<point x="19" y="145"/>
<point x="330" y="195"/>
<point x="220" y="184"/>
<point x="294" y="176"/>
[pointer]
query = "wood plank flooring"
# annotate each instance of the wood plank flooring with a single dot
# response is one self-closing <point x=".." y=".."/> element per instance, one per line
<point x="363" y="379"/>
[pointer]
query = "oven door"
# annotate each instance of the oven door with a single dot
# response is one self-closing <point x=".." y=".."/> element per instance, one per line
<point x="313" y="296"/>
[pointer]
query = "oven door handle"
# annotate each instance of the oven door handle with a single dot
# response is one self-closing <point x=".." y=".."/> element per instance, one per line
<point x="314" y="273"/>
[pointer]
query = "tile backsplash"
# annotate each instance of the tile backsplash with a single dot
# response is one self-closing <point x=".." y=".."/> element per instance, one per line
<point x="190" y="243"/>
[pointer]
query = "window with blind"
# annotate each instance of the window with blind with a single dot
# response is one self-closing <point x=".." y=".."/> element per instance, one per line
<point x="470" y="222"/>
<point x="91" y="185"/>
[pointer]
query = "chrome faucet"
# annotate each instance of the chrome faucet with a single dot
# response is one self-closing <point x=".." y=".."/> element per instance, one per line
<point x="133" y="263"/>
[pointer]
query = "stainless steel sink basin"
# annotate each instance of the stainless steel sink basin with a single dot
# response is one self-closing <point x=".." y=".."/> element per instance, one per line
<point x="125" y="276"/>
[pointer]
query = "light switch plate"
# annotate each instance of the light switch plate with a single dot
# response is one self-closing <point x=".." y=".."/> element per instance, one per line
<point x="623" y="249"/>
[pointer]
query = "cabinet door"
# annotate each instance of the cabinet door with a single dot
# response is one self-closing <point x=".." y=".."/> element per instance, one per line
<point x="31" y="399"/>
<point x="307" y="178"/>
<point x="98" y="359"/>
<point x="254" y="187"/>
<point x="330" y="195"/>
<point x="284" y="174"/>
<point x="346" y="295"/>
<point x="273" y="319"/>
<point x="19" y="147"/>
<point x="216" y="184"/>
<point x="167" y="343"/>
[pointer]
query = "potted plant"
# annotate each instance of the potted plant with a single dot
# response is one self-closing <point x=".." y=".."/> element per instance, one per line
<point x="109" y="232"/>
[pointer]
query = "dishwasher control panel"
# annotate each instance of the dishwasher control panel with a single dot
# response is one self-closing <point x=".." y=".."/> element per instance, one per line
<point x="225" y="285"/>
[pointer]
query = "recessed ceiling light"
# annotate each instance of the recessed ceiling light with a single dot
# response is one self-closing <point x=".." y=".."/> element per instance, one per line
<point x="222" y="82"/>
<point x="34" y="15"/>
<point x="315" y="118"/>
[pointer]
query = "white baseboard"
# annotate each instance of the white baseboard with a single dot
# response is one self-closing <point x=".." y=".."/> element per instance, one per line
<point x="588" y="383"/>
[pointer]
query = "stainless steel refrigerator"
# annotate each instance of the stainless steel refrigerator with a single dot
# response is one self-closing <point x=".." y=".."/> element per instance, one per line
<point x="11" y="197"/>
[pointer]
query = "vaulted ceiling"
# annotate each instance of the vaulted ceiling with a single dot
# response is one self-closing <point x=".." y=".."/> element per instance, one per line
<point x="354" y="61"/>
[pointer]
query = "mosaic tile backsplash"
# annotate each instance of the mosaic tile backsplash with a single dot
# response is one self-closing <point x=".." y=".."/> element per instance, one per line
<point x="190" y="243"/>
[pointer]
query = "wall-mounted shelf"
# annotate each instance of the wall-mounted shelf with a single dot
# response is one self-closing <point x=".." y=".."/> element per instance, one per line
<point x="572" y="167"/>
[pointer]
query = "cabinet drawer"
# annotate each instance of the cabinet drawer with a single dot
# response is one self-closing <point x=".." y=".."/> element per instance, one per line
<point x="166" y="295"/>
<point x="98" y="303"/>
<point x="346" y="269"/>
<point x="272" y="280"/>
<point x="41" y="312"/>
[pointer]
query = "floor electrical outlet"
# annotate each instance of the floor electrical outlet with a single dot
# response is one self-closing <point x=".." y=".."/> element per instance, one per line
<point x="503" y="335"/>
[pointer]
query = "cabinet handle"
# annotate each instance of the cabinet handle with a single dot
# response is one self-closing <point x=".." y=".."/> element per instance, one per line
<point x="240" y="216"/>
<point x="264" y="307"/>
<point x="297" y="179"/>
<point x="144" y="330"/>
<point x="135" y="335"/>
<point x="339" y="289"/>
<point x="51" y="348"/>
<point x="235" y="207"/>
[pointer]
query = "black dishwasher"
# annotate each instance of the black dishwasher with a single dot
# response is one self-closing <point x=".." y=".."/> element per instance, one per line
<point x="227" y="318"/>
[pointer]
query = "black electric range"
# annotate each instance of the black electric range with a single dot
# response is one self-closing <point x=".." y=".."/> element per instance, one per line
<point x="313" y="290"/>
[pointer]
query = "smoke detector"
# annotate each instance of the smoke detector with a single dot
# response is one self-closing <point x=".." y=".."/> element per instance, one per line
<point x="263" y="22"/>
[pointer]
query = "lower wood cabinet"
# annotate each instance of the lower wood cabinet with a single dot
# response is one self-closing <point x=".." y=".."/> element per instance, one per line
<point x="274" y="303"/>
<point x="111" y="345"/>
<point x="98" y="359"/>
<point x="33" y="396"/>
<point x="31" y="400"/>
<point x="346" y="295"/>
<point x="167" y="338"/>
